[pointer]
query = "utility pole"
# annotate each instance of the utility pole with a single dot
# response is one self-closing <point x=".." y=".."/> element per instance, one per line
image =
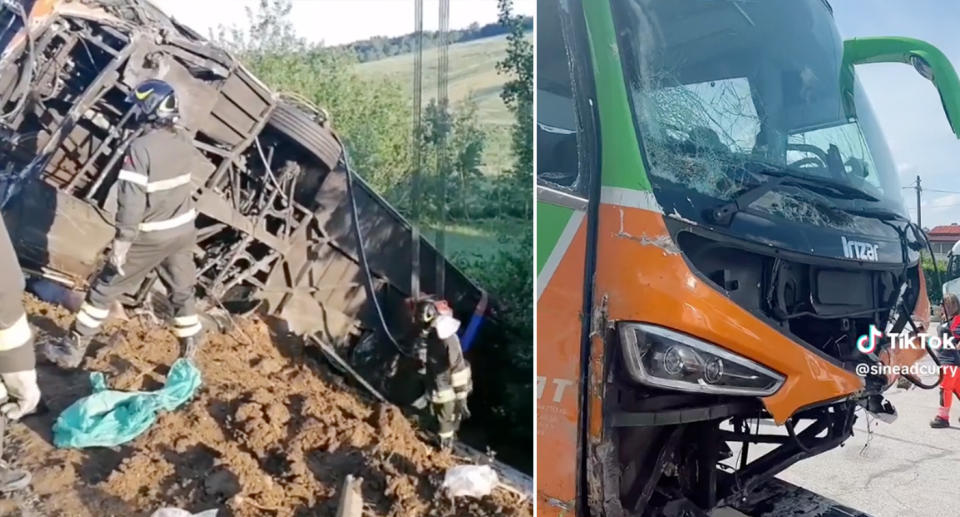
<point x="443" y="65"/>
<point x="917" y="187"/>
<point x="417" y="143"/>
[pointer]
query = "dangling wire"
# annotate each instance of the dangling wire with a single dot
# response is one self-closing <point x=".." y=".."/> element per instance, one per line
<point x="362" y="252"/>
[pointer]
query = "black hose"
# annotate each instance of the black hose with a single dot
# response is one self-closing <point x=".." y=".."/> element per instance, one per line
<point x="364" y="265"/>
<point x="793" y="435"/>
<point x="915" y="381"/>
<point x="905" y="314"/>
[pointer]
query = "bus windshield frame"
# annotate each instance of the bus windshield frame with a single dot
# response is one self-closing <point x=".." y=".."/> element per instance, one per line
<point x="717" y="88"/>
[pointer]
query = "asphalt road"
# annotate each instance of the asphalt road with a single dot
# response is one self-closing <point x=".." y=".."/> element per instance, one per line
<point x="901" y="469"/>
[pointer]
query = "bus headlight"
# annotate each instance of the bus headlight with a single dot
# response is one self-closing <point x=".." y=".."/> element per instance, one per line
<point x="663" y="358"/>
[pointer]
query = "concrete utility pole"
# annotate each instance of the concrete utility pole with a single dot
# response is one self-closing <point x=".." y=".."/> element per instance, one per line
<point x="417" y="142"/>
<point x="443" y="66"/>
<point x="917" y="187"/>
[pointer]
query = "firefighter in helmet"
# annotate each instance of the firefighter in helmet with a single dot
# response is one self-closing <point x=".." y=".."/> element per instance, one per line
<point x="155" y="227"/>
<point x="447" y="371"/>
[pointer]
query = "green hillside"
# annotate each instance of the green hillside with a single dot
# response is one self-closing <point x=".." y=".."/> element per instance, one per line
<point x="472" y="73"/>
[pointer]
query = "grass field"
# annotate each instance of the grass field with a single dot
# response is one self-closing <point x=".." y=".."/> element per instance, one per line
<point x="479" y="237"/>
<point x="472" y="73"/>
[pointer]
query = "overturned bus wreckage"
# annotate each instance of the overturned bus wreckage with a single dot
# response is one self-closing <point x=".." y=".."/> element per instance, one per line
<point x="276" y="205"/>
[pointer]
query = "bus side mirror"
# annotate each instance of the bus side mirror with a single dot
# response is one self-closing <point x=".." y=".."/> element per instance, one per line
<point x="922" y="67"/>
<point x="926" y="59"/>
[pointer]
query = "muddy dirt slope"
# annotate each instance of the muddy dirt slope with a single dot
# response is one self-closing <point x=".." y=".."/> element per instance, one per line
<point x="272" y="432"/>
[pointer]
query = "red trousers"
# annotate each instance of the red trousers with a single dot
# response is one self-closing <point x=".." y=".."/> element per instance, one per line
<point x="949" y="387"/>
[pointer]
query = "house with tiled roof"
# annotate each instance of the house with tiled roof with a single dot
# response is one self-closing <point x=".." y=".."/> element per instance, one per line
<point x="942" y="238"/>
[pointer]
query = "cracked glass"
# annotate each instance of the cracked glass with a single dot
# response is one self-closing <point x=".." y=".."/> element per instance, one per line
<point x="723" y="89"/>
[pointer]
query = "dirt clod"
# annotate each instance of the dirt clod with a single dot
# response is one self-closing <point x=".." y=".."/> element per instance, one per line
<point x="267" y="434"/>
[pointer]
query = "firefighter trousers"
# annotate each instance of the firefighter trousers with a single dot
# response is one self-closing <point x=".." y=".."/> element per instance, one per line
<point x="172" y="258"/>
<point x="16" y="338"/>
<point x="449" y="397"/>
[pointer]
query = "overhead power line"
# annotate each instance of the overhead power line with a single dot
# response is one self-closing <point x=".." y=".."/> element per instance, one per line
<point x="941" y="191"/>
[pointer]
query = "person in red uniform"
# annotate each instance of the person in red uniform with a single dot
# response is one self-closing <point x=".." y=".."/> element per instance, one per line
<point x="949" y="361"/>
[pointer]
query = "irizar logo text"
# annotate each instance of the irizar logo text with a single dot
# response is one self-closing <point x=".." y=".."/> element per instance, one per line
<point x="860" y="250"/>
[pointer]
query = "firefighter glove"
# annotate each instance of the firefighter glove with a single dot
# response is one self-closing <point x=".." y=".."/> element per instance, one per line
<point x="118" y="255"/>
<point x="23" y="394"/>
<point x="463" y="409"/>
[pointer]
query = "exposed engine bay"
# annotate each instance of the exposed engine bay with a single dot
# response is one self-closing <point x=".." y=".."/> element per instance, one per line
<point x="680" y="452"/>
<point x="826" y="304"/>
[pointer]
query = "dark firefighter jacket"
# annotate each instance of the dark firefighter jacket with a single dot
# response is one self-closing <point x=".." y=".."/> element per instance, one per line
<point x="154" y="196"/>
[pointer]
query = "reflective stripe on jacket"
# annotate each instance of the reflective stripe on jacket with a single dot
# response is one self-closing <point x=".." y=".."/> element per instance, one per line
<point x="154" y="190"/>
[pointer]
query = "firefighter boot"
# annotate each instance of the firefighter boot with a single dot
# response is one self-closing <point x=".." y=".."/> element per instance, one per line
<point x="189" y="346"/>
<point x="12" y="479"/>
<point x="446" y="443"/>
<point x="67" y="352"/>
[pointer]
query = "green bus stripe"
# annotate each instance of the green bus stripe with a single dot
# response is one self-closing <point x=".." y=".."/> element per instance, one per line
<point x="551" y="220"/>
<point x="622" y="164"/>
<point x="560" y="251"/>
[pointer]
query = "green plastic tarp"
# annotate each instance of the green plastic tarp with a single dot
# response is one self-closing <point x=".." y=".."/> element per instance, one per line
<point x="107" y="418"/>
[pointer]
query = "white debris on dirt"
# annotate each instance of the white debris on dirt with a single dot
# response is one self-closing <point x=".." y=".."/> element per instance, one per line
<point x="270" y="432"/>
<point x="470" y="481"/>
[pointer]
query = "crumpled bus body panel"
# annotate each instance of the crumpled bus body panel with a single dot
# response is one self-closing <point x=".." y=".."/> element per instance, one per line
<point x="274" y="223"/>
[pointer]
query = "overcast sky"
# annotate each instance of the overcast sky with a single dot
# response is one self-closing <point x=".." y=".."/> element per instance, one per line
<point x="341" y="21"/>
<point x="908" y="105"/>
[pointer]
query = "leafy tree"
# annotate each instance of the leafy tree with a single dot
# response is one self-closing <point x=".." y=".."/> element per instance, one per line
<point x="508" y="275"/>
<point x="518" y="95"/>
<point x="934" y="281"/>
<point x="458" y="134"/>
<point x="373" y="116"/>
<point x="467" y="142"/>
<point x="268" y="31"/>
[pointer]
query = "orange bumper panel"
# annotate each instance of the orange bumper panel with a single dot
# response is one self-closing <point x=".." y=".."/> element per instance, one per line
<point x="646" y="280"/>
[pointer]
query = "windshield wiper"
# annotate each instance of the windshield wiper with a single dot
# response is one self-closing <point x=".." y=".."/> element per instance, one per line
<point x="880" y="214"/>
<point x="724" y="213"/>
<point x="849" y="191"/>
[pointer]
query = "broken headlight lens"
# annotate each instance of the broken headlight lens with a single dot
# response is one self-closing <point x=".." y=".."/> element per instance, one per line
<point x="663" y="358"/>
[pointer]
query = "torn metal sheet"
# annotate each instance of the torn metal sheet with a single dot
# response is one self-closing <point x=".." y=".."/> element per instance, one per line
<point x="664" y="242"/>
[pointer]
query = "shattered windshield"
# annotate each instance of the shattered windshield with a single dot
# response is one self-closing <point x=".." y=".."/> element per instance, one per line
<point x="721" y="87"/>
